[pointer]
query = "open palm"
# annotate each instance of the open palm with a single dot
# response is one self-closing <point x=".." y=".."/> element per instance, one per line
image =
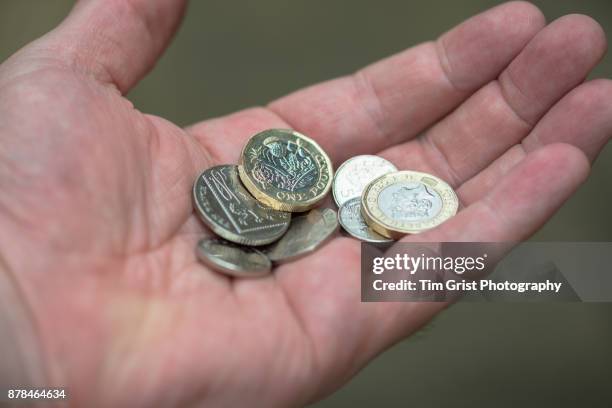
<point x="97" y="230"/>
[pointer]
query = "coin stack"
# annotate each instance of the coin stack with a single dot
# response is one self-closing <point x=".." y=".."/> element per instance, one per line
<point x="258" y="208"/>
<point x="263" y="209"/>
<point x="379" y="204"/>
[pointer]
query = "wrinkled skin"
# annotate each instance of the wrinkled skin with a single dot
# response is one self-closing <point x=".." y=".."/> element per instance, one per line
<point x="97" y="231"/>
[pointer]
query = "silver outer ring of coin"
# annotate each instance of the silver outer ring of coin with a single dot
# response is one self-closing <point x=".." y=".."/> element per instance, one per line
<point x="304" y="235"/>
<point x="211" y="206"/>
<point x="237" y="261"/>
<point x="347" y="216"/>
<point x="348" y="184"/>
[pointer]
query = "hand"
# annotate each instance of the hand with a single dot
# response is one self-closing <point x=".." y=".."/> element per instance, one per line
<point x="97" y="230"/>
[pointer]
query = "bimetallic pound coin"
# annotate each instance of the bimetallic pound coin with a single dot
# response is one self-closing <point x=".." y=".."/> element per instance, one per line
<point x="355" y="174"/>
<point x="231" y="212"/>
<point x="233" y="260"/>
<point x="407" y="202"/>
<point x="306" y="233"/>
<point x="285" y="170"/>
<point x="352" y="221"/>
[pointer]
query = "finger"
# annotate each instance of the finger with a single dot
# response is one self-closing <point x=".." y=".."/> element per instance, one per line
<point x="116" y="41"/>
<point x="583" y="118"/>
<point x="522" y="200"/>
<point x="395" y="99"/>
<point x="502" y="113"/>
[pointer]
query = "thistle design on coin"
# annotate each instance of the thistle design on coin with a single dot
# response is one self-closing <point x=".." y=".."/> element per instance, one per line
<point x="407" y="202"/>
<point x="224" y="205"/>
<point x="353" y="223"/>
<point x="285" y="170"/>
<point x="355" y="174"/>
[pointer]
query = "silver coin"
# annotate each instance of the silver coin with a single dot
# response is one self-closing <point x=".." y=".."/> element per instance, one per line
<point x="352" y="221"/>
<point x="224" y="205"/>
<point x="355" y="174"/>
<point x="233" y="260"/>
<point x="306" y="233"/>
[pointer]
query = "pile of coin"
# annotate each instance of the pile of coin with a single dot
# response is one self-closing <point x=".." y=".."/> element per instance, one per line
<point x="263" y="210"/>
<point x="257" y="208"/>
<point x="377" y="203"/>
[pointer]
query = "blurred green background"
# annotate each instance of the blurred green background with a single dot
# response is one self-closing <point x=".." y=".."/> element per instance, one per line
<point x="233" y="54"/>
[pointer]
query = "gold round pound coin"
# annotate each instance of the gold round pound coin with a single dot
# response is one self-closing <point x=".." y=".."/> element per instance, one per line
<point x="285" y="170"/>
<point x="407" y="202"/>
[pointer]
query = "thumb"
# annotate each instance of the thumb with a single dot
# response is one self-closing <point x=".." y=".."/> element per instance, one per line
<point x="115" y="41"/>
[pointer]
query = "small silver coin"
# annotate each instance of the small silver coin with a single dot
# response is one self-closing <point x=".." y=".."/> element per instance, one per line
<point x="355" y="174"/>
<point x="226" y="207"/>
<point x="233" y="260"/>
<point x="352" y="221"/>
<point x="306" y="233"/>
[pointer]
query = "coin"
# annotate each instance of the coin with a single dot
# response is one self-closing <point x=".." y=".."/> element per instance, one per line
<point x="233" y="260"/>
<point x="355" y="174"/>
<point x="231" y="212"/>
<point x="407" y="202"/>
<point x="285" y="170"/>
<point x="352" y="221"/>
<point x="306" y="233"/>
